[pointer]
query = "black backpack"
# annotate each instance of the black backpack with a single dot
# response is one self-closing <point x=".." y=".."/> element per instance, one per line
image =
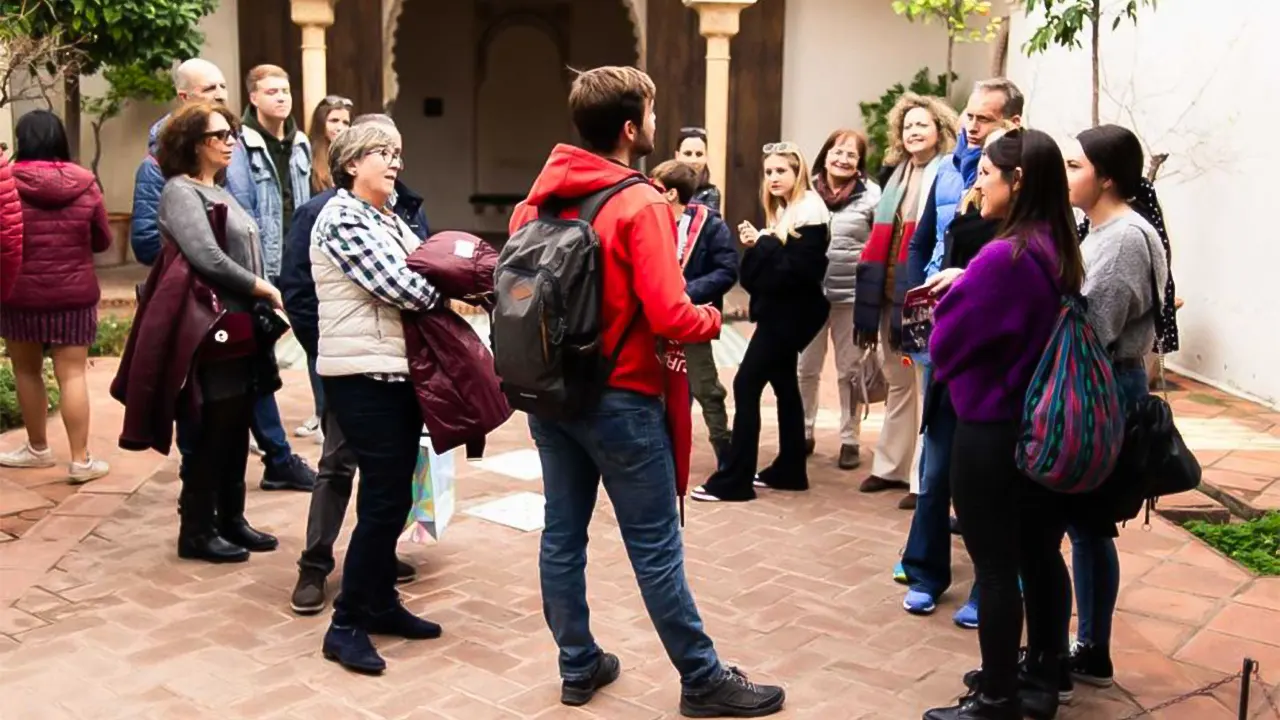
<point x="546" y="328"/>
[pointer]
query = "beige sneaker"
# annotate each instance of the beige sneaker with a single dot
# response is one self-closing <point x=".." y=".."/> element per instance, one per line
<point x="28" y="457"/>
<point x="81" y="473"/>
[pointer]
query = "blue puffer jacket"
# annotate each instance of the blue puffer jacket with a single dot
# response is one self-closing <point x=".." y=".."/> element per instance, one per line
<point x="144" y="228"/>
<point x="955" y="176"/>
<point x="296" y="284"/>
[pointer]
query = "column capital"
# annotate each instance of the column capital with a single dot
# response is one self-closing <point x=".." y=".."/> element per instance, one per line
<point x="316" y="13"/>
<point x="718" y="18"/>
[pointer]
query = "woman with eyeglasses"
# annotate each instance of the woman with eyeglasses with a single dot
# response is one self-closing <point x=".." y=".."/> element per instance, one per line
<point x="991" y="327"/>
<point x="692" y="150"/>
<point x="922" y="131"/>
<point x="782" y="269"/>
<point x="358" y="252"/>
<point x="332" y="116"/>
<point x="193" y="152"/>
<point x="839" y="174"/>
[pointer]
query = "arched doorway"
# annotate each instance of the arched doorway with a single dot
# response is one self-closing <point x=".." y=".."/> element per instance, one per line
<point x="479" y="88"/>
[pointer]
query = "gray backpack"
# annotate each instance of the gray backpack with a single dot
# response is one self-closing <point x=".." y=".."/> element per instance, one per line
<point x="546" y="328"/>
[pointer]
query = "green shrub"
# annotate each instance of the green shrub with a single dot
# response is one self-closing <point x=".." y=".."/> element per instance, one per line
<point x="1254" y="544"/>
<point x="113" y="332"/>
<point x="875" y="115"/>
<point x="10" y="413"/>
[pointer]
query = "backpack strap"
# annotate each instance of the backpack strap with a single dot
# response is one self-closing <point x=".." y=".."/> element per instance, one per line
<point x="591" y="205"/>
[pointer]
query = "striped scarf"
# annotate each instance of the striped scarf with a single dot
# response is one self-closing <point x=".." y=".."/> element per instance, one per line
<point x="874" y="263"/>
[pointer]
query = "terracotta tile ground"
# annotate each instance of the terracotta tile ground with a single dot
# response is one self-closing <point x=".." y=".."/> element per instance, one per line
<point x="100" y="620"/>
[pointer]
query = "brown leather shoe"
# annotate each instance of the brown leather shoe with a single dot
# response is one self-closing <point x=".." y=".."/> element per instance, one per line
<point x="849" y="459"/>
<point x="876" y="483"/>
<point x="908" y="502"/>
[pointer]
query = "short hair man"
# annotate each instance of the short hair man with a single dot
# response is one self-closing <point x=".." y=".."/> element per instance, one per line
<point x="195" y="80"/>
<point x="926" y="561"/>
<point x="623" y="439"/>
<point x="706" y="250"/>
<point x="337" y="471"/>
<point x="270" y="172"/>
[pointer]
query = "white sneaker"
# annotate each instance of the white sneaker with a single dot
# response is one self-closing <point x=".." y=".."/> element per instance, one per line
<point x="253" y="447"/>
<point x="81" y="473"/>
<point x="28" y="457"/>
<point x="308" y="428"/>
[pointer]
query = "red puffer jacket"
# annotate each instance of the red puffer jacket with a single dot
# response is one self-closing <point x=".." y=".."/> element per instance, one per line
<point x="451" y="368"/>
<point x="10" y="229"/>
<point x="64" y="223"/>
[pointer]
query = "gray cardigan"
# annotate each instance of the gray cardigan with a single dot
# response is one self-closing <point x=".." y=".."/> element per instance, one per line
<point x="1118" y="255"/>
<point x="184" y="220"/>
<point x="850" y="228"/>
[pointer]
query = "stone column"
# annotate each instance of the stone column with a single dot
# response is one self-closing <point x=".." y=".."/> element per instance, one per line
<point x="718" y="23"/>
<point x="314" y="17"/>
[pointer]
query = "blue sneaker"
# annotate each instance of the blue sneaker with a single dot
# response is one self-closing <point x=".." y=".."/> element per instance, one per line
<point x="899" y="574"/>
<point x="919" y="603"/>
<point x="967" y="616"/>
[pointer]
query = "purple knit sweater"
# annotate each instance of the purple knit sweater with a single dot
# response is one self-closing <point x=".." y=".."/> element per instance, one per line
<point x="991" y="328"/>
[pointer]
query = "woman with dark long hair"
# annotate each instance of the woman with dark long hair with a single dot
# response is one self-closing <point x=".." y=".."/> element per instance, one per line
<point x="991" y="327"/>
<point x="331" y="116"/>
<point x="1126" y="266"/>
<point x="691" y="149"/>
<point x="53" y="303"/>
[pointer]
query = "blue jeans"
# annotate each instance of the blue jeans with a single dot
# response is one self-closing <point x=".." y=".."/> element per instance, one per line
<point x="927" y="557"/>
<point x="624" y="440"/>
<point x="268" y="430"/>
<point x="382" y="423"/>
<point x="1095" y="564"/>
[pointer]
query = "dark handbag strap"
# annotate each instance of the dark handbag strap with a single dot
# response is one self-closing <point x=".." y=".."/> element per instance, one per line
<point x="1157" y="305"/>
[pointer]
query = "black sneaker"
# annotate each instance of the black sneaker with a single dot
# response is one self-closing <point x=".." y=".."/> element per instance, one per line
<point x="292" y="474"/>
<point x="309" y="595"/>
<point x="976" y="706"/>
<point x="1091" y="665"/>
<point x="1036" y="696"/>
<point x="580" y="692"/>
<point x="405" y="573"/>
<point x="731" y="695"/>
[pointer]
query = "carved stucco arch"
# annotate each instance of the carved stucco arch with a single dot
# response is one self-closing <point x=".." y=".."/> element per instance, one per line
<point x="391" y="24"/>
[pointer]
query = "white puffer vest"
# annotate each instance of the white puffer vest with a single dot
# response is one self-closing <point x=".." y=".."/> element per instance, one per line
<point x="359" y="333"/>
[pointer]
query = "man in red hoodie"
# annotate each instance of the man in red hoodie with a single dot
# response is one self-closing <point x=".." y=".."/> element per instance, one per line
<point x="624" y="438"/>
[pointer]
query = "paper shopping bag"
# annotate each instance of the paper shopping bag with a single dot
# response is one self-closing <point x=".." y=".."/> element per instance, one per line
<point x="434" y="494"/>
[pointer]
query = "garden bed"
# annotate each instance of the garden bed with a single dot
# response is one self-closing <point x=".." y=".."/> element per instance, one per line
<point x="1254" y="544"/>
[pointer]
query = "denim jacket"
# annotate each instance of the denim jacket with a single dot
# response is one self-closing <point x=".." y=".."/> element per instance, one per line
<point x="254" y="182"/>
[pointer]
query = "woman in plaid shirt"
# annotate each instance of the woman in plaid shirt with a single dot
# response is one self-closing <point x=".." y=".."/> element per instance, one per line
<point x="358" y="251"/>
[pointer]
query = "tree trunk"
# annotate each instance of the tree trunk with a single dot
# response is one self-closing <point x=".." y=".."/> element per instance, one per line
<point x="96" y="126"/>
<point x="1095" y="17"/>
<point x="71" y="114"/>
<point x="951" y="51"/>
<point x="1000" y="52"/>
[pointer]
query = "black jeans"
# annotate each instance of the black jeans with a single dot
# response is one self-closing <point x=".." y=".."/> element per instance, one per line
<point x="772" y="358"/>
<point x="214" y="464"/>
<point x="383" y="425"/>
<point x="1011" y="526"/>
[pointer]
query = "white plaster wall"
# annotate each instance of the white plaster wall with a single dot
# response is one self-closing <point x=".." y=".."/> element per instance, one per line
<point x="842" y="52"/>
<point x="124" y="138"/>
<point x="1197" y="85"/>
<point x="435" y="58"/>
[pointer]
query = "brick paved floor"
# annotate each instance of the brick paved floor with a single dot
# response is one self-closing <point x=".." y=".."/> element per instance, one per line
<point x="100" y="620"/>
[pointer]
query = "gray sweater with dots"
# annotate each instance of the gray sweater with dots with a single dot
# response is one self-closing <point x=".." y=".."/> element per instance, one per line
<point x="1118" y="256"/>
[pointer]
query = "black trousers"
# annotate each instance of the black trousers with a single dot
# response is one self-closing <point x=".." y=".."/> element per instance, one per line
<point x="382" y="423"/>
<point x="214" y="472"/>
<point x="772" y="359"/>
<point x="1011" y="526"/>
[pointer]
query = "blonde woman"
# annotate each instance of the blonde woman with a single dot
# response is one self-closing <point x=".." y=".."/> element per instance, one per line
<point x="783" y="270"/>
<point x="922" y="131"/>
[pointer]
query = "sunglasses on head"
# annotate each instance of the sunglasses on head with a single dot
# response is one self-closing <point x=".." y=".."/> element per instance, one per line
<point x="337" y="101"/>
<point x="781" y="148"/>
<point x="700" y="132"/>
<point x="222" y="136"/>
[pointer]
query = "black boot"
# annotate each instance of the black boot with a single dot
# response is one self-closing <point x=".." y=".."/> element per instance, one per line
<point x="722" y="453"/>
<point x="231" y="523"/>
<point x="977" y="706"/>
<point x="197" y="537"/>
<point x="1042" y="685"/>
